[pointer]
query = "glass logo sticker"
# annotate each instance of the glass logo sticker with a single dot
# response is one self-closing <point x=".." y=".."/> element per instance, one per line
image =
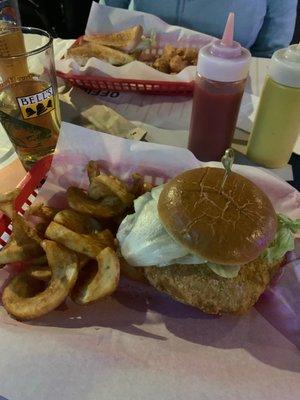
<point x="36" y="104"/>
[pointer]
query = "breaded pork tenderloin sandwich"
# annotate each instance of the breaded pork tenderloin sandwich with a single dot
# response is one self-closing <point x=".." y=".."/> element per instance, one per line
<point x="210" y="242"/>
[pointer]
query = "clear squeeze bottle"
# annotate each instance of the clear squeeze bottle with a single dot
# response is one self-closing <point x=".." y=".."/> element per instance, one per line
<point x="222" y="71"/>
<point x="277" y="122"/>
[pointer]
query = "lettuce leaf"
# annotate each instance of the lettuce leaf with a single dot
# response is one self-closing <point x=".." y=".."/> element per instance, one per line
<point x="226" y="271"/>
<point x="284" y="239"/>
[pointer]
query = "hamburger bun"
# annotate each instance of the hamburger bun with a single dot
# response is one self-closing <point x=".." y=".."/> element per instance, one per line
<point x="229" y="226"/>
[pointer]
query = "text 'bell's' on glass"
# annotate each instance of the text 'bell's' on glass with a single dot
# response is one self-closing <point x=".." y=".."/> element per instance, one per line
<point x="29" y="106"/>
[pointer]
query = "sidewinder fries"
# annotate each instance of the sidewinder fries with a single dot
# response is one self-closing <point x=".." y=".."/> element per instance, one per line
<point x="41" y="210"/>
<point x="14" y="252"/>
<point x="68" y="252"/>
<point x="24" y="243"/>
<point x="107" y="207"/>
<point x="94" y="286"/>
<point x="22" y="303"/>
<point x="7" y="201"/>
<point x="90" y="245"/>
<point x="23" y="232"/>
<point x="77" y="222"/>
<point x="107" y="185"/>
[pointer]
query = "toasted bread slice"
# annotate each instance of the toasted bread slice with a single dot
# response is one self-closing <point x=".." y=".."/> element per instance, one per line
<point x="81" y="54"/>
<point x="125" y="40"/>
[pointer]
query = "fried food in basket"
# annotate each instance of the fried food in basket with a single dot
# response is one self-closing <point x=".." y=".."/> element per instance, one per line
<point x="42" y="211"/>
<point x="162" y="64"/>
<point x="108" y="186"/>
<point x="107" y="207"/>
<point x="7" y="202"/>
<point x="98" y="281"/>
<point x="177" y="64"/>
<point x="174" y="60"/>
<point x="24" y="297"/>
<point x="14" y="252"/>
<point x="24" y="244"/>
<point x="60" y="249"/>
<point x="23" y="232"/>
<point x="123" y="47"/>
<point x="90" y="245"/>
<point x="77" y="222"/>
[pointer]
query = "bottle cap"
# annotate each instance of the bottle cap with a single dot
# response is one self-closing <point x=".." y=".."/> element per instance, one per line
<point x="224" y="60"/>
<point x="285" y="66"/>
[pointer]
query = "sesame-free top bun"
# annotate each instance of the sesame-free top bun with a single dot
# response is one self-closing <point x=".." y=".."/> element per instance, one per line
<point x="230" y="225"/>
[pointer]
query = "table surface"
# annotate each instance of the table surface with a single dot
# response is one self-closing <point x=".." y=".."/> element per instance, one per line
<point x="142" y="344"/>
<point x="11" y="174"/>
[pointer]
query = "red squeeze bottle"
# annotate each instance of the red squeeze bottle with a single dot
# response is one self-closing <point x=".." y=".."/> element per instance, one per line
<point x="222" y="71"/>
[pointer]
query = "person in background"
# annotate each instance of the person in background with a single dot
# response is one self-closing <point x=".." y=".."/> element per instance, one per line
<point x="262" y="26"/>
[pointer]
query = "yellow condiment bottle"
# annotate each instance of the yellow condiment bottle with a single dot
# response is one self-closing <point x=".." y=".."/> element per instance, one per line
<point x="277" y="122"/>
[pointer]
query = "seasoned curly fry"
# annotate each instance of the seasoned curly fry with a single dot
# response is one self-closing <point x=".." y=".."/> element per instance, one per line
<point x="79" y="252"/>
<point x="173" y="60"/>
<point x="77" y="222"/>
<point x="41" y="210"/>
<point x="90" y="245"/>
<point x="105" y="208"/>
<point x="106" y="185"/>
<point x="93" y="170"/>
<point x="95" y="283"/>
<point x="40" y="270"/>
<point x="14" y="252"/>
<point x="7" y="202"/>
<point x="20" y="298"/>
<point x="23" y="232"/>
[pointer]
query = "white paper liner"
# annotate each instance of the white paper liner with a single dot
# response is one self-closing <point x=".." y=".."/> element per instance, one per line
<point x="106" y="19"/>
<point x="139" y="343"/>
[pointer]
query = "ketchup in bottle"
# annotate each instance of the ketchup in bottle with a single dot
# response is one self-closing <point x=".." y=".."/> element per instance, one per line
<point x="222" y="71"/>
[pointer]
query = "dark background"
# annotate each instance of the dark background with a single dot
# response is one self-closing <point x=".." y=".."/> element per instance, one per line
<point x="67" y="18"/>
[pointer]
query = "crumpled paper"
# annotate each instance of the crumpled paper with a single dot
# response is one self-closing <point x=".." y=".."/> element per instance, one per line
<point x="80" y="109"/>
<point x="106" y="19"/>
<point x="140" y="344"/>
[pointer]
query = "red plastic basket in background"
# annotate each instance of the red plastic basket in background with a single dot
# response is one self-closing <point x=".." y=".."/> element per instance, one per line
<point x="28" y="192"/>
<point x="131" y="85"/>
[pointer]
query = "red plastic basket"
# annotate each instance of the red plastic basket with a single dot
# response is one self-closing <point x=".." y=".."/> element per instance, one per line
<point x="29" y="190"/>
<point x="130" y="85"/>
